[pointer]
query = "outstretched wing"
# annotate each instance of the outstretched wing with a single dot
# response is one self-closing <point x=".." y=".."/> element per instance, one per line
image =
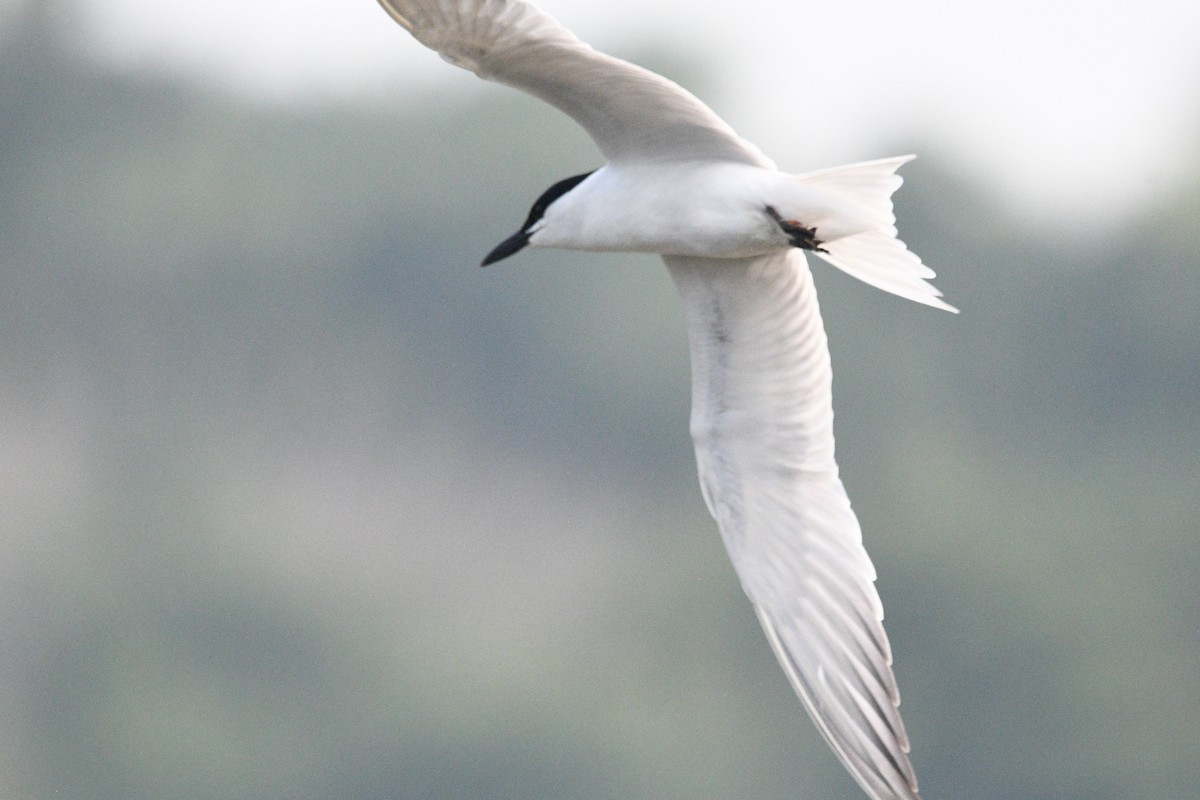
<point x="631" y="113"/>
<point x="762" y="422"/>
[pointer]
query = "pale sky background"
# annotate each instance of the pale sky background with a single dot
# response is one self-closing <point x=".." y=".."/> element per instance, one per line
<point x="1076" y="111"/>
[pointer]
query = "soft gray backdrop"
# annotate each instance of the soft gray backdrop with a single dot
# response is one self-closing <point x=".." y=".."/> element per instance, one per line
<point x="296" y="502"/>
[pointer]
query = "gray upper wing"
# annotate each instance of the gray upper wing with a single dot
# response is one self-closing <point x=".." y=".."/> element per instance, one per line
<point x="631" y="113"/>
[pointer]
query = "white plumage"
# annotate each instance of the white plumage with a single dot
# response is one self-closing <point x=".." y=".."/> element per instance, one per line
<point x="679" y="182"/>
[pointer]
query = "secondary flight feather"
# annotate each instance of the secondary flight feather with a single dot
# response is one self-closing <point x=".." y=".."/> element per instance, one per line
<point x="733" y="230"/>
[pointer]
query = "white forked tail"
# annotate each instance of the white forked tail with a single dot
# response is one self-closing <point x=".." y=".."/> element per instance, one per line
<point x="876" y="257"/>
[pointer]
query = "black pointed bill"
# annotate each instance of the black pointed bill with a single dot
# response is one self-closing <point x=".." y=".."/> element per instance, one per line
<point x="510" y="246"/>
<point x="515" y="243"/>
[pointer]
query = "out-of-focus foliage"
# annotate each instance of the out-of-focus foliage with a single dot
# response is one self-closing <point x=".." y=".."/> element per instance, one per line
<point x="296" y="502"/>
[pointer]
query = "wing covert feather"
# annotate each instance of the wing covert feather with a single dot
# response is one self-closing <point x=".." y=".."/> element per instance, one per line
<point x="631" y="113"/>
<point x="762" y="423"/>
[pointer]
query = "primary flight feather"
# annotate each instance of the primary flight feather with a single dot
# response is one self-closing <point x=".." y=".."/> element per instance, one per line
<point x="732" y="230"/>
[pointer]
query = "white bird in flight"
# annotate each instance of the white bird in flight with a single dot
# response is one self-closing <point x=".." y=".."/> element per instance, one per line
<point x="732" y="230"/>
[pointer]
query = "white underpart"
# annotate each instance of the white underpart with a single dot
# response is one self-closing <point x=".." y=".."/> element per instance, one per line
<point x="681" y="183"/>
<point x="762" y="422"/>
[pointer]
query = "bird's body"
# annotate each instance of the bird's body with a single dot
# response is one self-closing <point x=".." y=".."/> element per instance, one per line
<point x="732" y="230"/>
<point x="711" y="209"/>
<point x="675" y="208"/>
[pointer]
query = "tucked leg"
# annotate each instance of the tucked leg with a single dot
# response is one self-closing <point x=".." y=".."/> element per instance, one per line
<point x="799" y="235"/>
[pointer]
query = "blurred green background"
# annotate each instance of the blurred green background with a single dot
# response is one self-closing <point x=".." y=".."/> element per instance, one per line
<point x="296" y="502"/>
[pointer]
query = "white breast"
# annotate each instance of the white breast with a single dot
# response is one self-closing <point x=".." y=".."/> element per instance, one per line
<point x="714" y="209"/>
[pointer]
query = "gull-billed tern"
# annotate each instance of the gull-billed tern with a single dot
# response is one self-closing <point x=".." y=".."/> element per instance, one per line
<point x="732" y="230"/>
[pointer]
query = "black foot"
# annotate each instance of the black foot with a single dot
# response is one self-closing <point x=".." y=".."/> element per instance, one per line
<point x="798" y="235"/>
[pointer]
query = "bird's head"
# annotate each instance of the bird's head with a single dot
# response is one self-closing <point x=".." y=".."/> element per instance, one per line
<point x="515" y="243"/>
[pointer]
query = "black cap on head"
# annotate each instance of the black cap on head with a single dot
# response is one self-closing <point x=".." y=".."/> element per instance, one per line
<point x="515" y="243"/>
